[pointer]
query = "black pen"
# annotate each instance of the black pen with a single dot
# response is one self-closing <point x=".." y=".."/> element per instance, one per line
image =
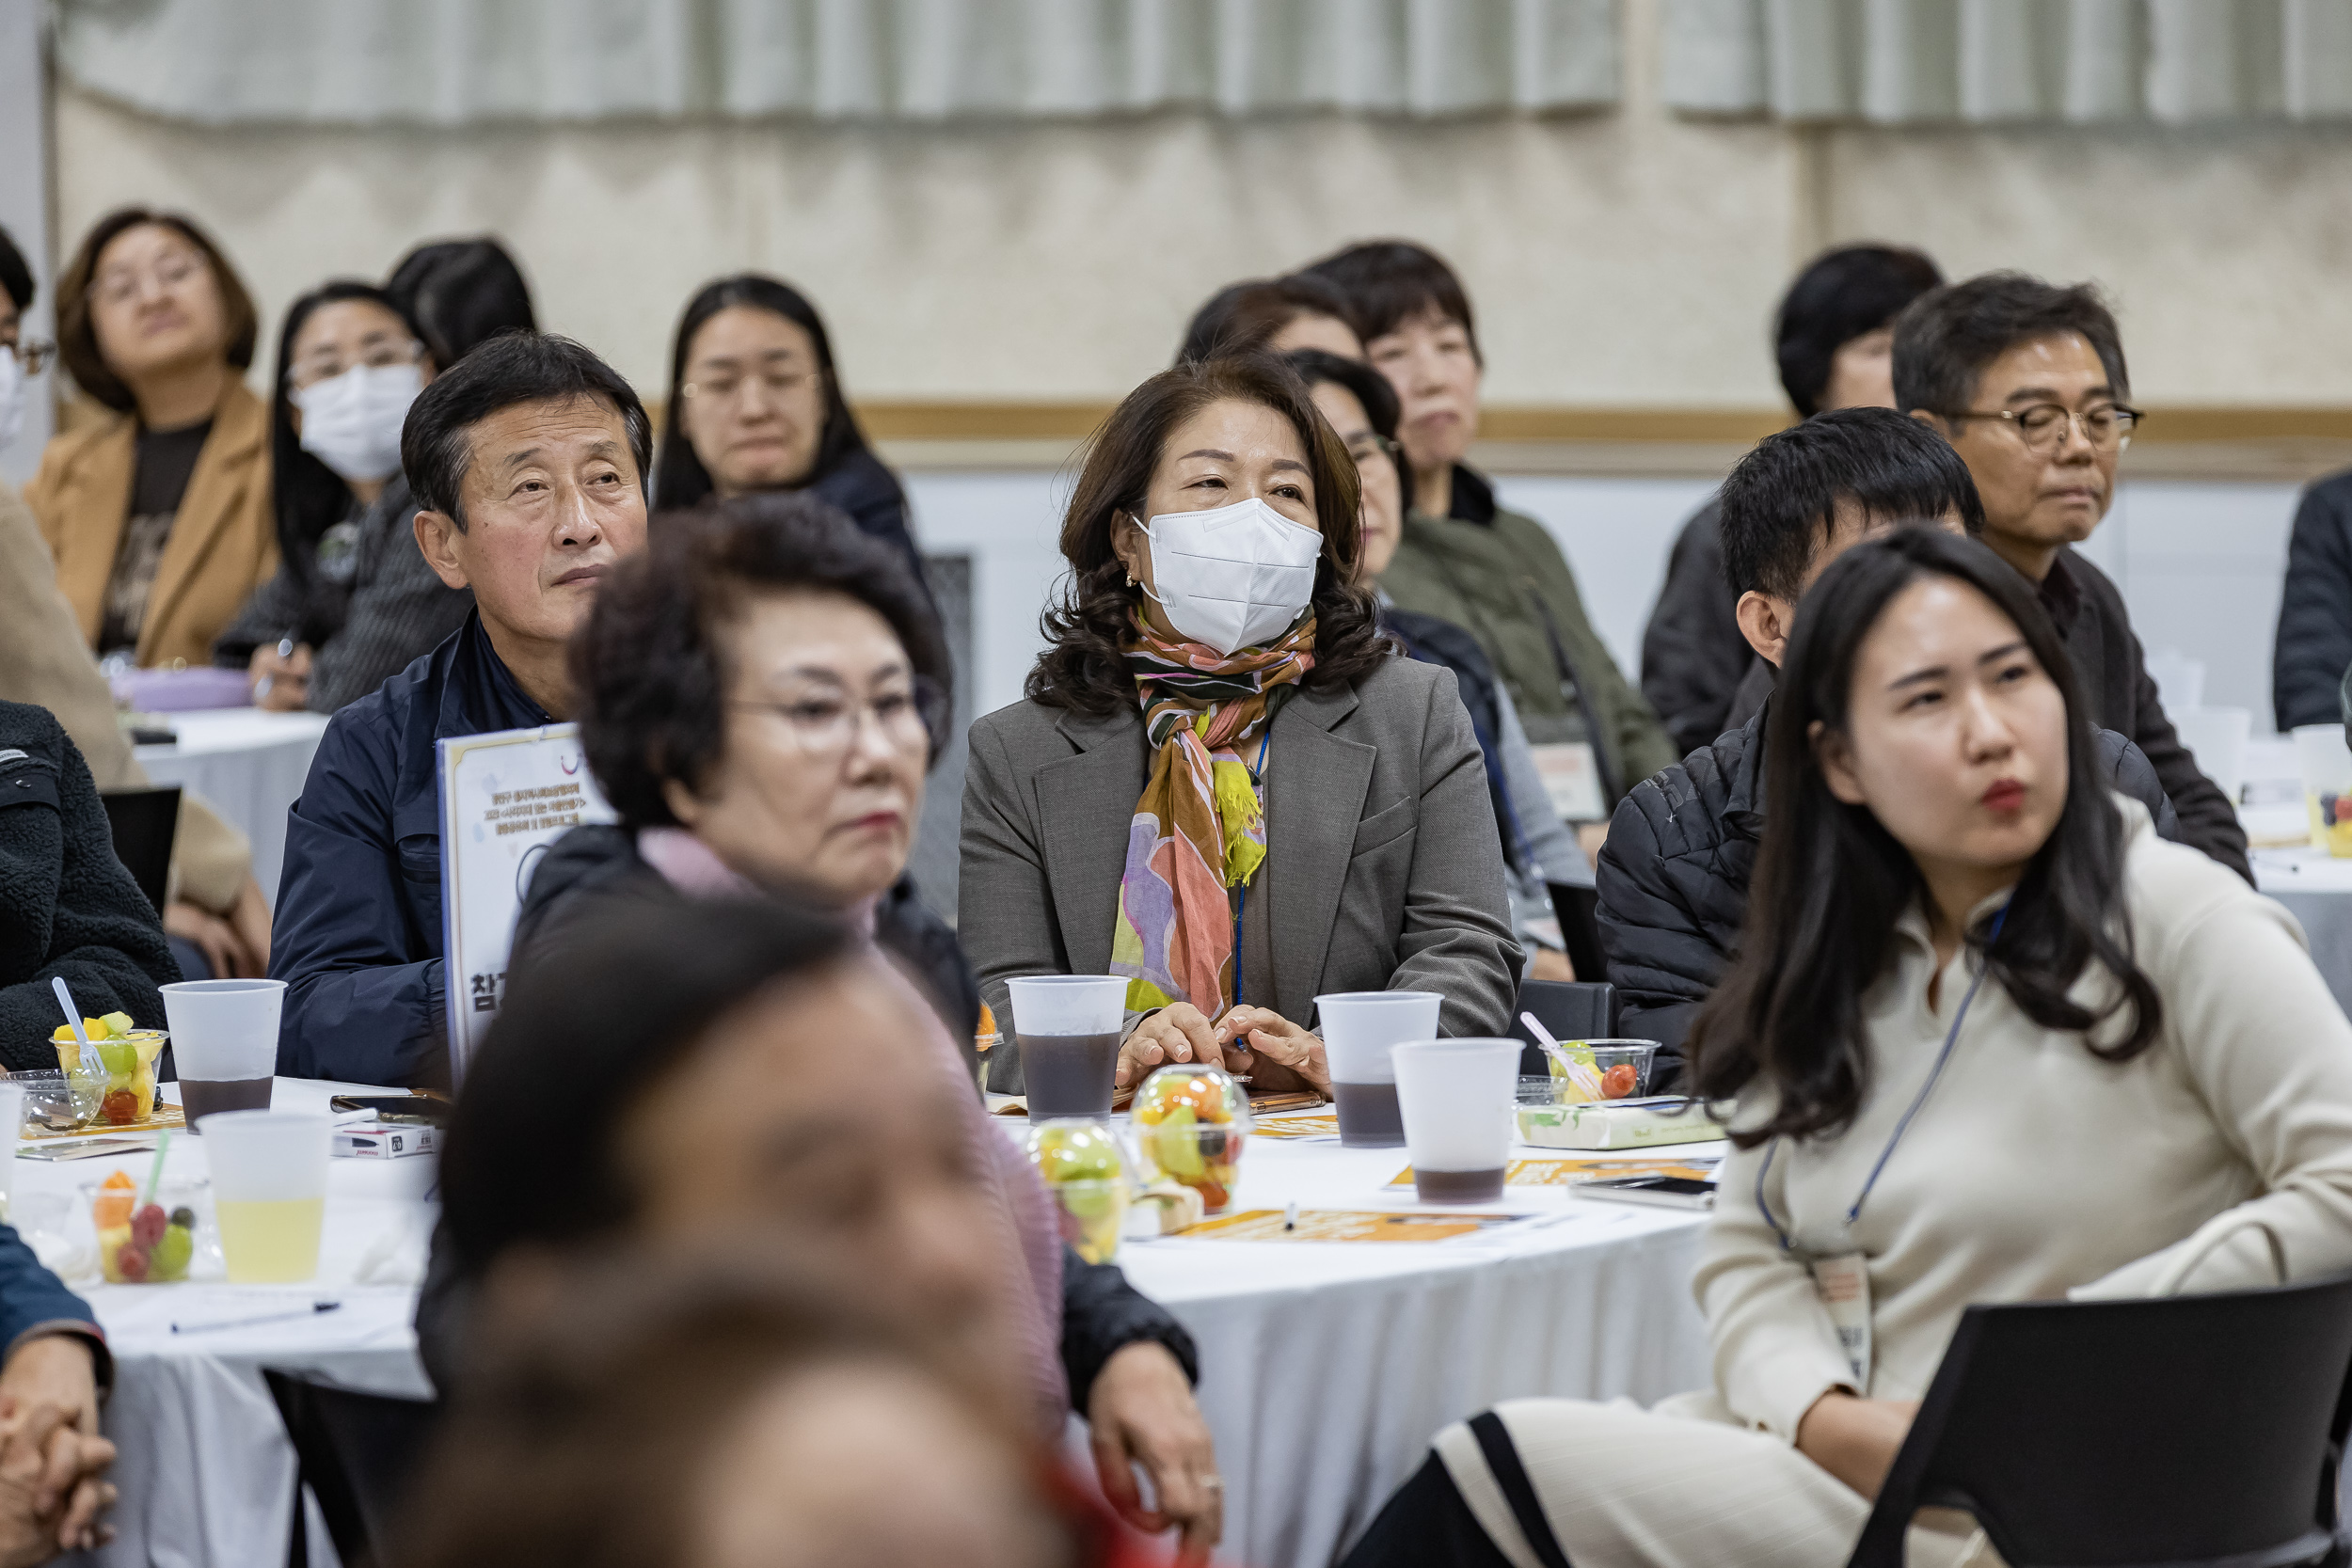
<point x="310" y="1311"/>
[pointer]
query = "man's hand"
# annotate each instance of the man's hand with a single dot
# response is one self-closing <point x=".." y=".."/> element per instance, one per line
<point x="52" y="1461"/>
<point x="282" y="682"/>
<point x="1275" y="1053"/>
<point x="1855" y="1439"/>
<point x="1141" y="1412"/>
<point x="1177" y="1033"/>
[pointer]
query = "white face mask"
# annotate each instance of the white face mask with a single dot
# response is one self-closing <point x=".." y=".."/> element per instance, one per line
<point x="352" y="421"/>
<point x="1232" y="577"/>
<point x="12" y="396"/>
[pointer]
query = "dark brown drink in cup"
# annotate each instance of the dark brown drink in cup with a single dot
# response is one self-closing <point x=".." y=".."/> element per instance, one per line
<point x="1068" y="1076"/>
<point x="1368" y="1117"/>
<point x="1457" y="1186"/>
<point x="199" y="1098"/>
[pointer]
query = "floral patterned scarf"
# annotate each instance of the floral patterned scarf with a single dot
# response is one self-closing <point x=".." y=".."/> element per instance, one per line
<point x="1199" y="827"/>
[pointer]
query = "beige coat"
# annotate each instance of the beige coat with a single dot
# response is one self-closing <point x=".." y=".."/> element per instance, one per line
<point x="223" y="541"/>
<point x="43" y="661"/>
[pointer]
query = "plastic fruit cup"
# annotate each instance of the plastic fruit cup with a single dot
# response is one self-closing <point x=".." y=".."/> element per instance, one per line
<point x="143" y="1243"/>
<point x="1204" y="1157"/>
<point x="134" y="1078"/>
<point x="1092" y="1216"/>
<point x="1623" y="1067"/>
<point x="1080" y="1163"/>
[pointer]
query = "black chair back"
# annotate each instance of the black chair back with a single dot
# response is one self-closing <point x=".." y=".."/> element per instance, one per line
<point x="1578" y="910"/>
<point x="145" y="822"/>
<point x="2181" y="1430"/>
<point x="356" y="1453"/>
<point x="1572" y="1010"/>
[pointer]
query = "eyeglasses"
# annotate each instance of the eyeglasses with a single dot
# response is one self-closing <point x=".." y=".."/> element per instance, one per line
<point x="120" y="285"/>
<point x="726" y="389"/>
<point x="1371" y="446"/>
<point x="34" y="354"/>
<point x="377" y="353"/>
<point x="2043" y="427"/>
<point x="826" y="723"/>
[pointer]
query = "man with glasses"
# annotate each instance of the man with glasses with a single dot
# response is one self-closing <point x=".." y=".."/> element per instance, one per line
<point x="2027" y="380"/>
<point x="528" y="462"/>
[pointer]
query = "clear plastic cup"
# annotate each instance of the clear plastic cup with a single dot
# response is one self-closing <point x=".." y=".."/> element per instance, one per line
<point x="1083" y="1167"/>
<point x="269" y="1192"/>
<point x="1458" y="1100"/>
<point x="2326" y="763"/>
<point x="1360" y="1028"/>
<point x="12" y="1121"/>
<point x="171" y="1244"/>
<point x="224" y="1043"/>
<point x="1069" y="1027"/>
<point x="1602" y="1070"/>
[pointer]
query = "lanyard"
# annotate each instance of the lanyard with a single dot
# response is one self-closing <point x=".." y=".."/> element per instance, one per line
<point x="1241" y="904"/>
<point x="1900" y="1127"/>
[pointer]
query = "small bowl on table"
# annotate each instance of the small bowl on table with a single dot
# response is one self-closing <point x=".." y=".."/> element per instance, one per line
<point x="56" y="1103"/>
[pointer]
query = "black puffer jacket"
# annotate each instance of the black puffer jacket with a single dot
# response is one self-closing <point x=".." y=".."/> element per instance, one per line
<point x="1674" y="875"/>
<point x="1693" y="652"/>
<point x="2313" y="648"/>
<point x="66" y="905"/>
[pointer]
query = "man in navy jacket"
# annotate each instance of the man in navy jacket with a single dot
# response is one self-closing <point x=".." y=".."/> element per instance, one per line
<point x="527" y="459"/>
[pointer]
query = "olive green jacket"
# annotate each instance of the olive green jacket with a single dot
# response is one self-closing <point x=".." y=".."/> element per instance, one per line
<point x="1506" y="582"/>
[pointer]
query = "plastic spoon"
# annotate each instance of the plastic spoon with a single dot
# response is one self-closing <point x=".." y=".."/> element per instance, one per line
<point x="91" y="1065"/>
<point x="1581" y="1075"/>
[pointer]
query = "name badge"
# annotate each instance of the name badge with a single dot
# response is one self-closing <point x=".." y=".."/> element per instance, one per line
<point x="1571" y="777"/>
<point x="1844" y="1284"/>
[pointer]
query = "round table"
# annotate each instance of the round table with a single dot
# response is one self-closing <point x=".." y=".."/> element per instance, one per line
<point x="2316" y="888"/>
<point x="1325" y="1367"/>
<point x="250" y="766"/>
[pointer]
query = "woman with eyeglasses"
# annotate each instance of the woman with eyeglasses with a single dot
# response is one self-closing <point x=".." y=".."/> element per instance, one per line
<point x="759" y="694"/>
<point x="755" y="404"/>
<point x="1357" y="402"/>
<point x="159" y="516"/>
<point x="2027" y="380"/>
<point x="353" y="601"/>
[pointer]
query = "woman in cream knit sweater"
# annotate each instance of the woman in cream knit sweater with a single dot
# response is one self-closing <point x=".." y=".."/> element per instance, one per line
<point x="2119" y="1067"/>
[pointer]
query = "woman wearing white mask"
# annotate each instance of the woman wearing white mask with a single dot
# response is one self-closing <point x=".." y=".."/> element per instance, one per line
<point x="1223" y="785"/>
<point x="353" y="601"/>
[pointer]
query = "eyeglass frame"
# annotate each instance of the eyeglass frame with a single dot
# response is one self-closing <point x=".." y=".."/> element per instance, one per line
<point x="33" y="353"/>
<point x="929" y="697"/>
<point x="2015" y="418"/>
<point x="414" y="350"/>
<point x="1382" y="446"/>
<point x="778" y="387"/>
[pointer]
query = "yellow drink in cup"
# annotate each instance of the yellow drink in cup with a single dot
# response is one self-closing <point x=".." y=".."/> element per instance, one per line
<point x="270" y="1242"/>
<point x="269" y="1192"/>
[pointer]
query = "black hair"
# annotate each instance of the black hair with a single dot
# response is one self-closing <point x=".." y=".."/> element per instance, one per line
<point x="1840" y="296"/>
<point x="680" y="479"/>
<point x="1832" y="884"/>
<point x="1247" y="315"/>
<point x="584" y="1032"/>
<point x="1944" y="340"/>
<point x="461" y="294"/>
<point x="309" y="497"/>
<point x="516" y="367"/>
<point x="16" y="276"/>
<point x="1387" y="282"/>
<point x="649" y="665"/>
<point x="1369" y="387"/>
<point x="1778" y="505"/>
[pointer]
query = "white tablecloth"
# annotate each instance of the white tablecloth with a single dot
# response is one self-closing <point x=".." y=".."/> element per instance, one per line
<point x="250" y="766"/>
<point x="1325" y="1368"/>
<point x="205" y="1470"/>
<point x="2316" y="888"/>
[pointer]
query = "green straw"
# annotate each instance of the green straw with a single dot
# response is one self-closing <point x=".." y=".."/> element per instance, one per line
<point x="155" y="1175"/>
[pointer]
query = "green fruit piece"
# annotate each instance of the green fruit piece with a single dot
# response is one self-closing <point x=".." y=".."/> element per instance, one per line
<point x="173" y="1250"/>
<point x="120" y="1057"/>
<point x="117" y="1024"/>
<point x="1076" y="1154"/>
<point x="1091" y="1201"/>
<point x="1176" y="1145"/>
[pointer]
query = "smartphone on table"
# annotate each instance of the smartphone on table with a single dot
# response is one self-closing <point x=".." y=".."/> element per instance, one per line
<point x="1671" y="1191"/>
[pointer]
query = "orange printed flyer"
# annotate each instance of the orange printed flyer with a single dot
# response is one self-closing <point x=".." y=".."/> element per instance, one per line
<point x="1344" y="1225"/>
<point x="1571" y="1173"/>
<point x="1323" y="1125"/>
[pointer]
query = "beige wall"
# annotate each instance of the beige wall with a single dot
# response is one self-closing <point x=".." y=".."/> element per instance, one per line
<point x="1626" y="260"/>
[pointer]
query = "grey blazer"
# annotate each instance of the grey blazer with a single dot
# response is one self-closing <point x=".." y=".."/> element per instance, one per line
<point x="1384" y="868"/>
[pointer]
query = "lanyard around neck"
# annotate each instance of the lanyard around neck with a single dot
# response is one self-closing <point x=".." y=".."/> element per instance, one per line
<point x="1950" y="1039"/>
<point x="1241" y="904"/>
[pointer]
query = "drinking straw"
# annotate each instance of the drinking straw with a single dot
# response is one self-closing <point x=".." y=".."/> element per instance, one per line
<point x="90" y="1064"/>
<point x="155" y="1173"/>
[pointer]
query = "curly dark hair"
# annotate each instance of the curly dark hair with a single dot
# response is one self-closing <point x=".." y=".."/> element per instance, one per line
<point x="650" y="664"/>
<point x="1081" y="667"/>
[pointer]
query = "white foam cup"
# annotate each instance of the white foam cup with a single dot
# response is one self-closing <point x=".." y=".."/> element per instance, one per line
<point x="1068" y="1004"/>
<point x="1458" y="1099"/>
<point x="267" y="1156"/>
<point x="224" y="1030"/>
<point x="1360" y="1027"/>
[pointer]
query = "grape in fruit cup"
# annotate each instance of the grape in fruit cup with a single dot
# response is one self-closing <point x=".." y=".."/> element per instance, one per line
<point x="1191" y="1122"/>
<point x="128" y="1054"/>
<point x="144" y="1242"/>
<point x="1079" y="1161"/>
